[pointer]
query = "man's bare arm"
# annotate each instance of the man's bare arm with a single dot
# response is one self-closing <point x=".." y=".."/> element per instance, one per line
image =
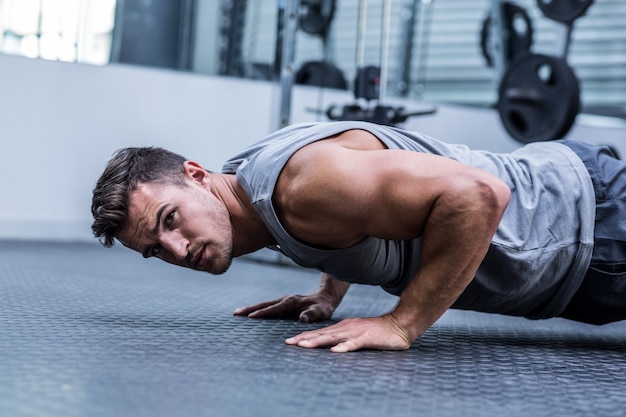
<point x="456" y="238"/>
<point x="454" y="208"/>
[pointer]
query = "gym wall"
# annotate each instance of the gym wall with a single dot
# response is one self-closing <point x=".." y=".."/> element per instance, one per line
<point x="60" y="122"/>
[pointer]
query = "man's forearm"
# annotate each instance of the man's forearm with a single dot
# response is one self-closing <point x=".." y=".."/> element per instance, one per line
<point x="455" y="241"/>
<point x="332" y="288"/>
<point x="423" y="302"/>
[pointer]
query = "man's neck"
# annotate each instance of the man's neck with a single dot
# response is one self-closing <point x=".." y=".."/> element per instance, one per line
<point x="249" y="231"/>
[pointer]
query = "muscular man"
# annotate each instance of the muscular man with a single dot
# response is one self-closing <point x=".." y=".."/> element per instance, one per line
<point x="438" y="225"/>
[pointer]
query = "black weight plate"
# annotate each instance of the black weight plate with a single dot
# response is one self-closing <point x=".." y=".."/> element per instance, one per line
<point x="316" y="16"/>
<point x="518" y="34"/>
<point x="538" y="98"/>
<point x="321" y="74"/>
<point x="565" y="11"/>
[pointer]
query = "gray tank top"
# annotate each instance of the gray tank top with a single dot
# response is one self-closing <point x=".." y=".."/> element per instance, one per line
<point x="537" y="258"/>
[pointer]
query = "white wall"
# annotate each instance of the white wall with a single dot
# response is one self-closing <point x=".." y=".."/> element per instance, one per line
<point x="59" y="124"/>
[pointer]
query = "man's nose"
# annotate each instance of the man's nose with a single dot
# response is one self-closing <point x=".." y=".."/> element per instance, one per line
<point x="175" y="244"/>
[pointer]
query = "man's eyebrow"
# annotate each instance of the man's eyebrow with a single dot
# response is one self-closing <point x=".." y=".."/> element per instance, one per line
<point x="157" y="223"/>
<point x="155" y="229"/>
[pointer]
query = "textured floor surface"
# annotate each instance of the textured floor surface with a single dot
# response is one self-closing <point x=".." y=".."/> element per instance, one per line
<point x="86" y="331"/>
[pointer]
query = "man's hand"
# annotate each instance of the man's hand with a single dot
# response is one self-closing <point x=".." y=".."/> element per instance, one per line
<point x="382" y="333"/>
<point x="318" y="306"/>
<point x="307" y="308"/>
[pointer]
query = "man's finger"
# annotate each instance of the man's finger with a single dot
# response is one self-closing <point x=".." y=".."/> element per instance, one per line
<point x="347" y="346"/>
<point x="328" y="336"/>
<point x="244" y="311"/>
<point x="314" y="313"/>
<point x="319" y="341"/>
<point x="271" y="311"/>
<point x="283" y="307"/>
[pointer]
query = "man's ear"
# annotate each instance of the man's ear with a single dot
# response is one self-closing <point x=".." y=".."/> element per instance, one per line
<point x="196" y="173"/>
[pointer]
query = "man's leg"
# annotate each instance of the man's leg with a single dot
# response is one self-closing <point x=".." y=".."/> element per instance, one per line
<point x="601" y="297"/>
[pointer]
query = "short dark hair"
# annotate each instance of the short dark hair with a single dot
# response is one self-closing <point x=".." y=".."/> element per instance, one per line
<point x="127" y="168"/>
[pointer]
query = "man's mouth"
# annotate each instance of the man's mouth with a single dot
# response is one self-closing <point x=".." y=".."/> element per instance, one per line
<point x="198" y="258"/>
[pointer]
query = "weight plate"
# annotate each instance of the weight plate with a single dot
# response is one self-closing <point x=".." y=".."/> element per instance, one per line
<point x="565" y="11"/>
<point x="321" y="74"/>
<point x="316" y="16"/>
<point x="538" y="98"/>
<point x="518" y="35"/>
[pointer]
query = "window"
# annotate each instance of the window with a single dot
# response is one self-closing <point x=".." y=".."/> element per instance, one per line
<point x="64" y="30"/>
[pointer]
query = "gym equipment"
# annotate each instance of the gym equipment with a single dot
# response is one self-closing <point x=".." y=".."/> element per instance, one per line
<point x="415" y="24"/>
<point x="315" y="18"/>
<point x="321" y="74"/>
<point x="380" y="114"/>
<point x="564" y="11"/>
<point x="316" y="15"/>
<point x="367" y="87"/>
<point x="367" y="82"/>
<point x="370" y="83"/>
<point x="539" y="95"/>
<point x="231" y="36"/>
<point x="539" y="98"/>
<point x="312" y="16"/>
<point x="518" y="33"/>
<point x="285" y="55"/>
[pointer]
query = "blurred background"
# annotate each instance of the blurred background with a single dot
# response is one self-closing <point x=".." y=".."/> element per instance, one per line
<point x="82" y="78"/>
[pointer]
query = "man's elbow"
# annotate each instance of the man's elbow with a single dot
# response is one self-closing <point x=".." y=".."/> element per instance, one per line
<point x="502" y="194"/>
<point x="495" y="194"/>
<point x="483" y="195"/>
<point x="478" y="196"/>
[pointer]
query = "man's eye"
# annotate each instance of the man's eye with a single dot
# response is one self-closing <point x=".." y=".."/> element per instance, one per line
<point x="155" y="250"/>
<point x="169" y="218"/>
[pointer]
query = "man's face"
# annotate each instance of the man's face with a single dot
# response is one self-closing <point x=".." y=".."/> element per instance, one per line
<point x="182" y="225"/>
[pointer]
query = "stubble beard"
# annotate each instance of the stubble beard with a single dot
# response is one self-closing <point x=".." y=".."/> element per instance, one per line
<point x="222" y="264"/>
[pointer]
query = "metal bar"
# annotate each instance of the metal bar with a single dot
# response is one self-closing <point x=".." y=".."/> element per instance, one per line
<point x="360" y="35"/>
<point x="185" y="34"/>
<point x="231" y="33"/>
<point x="498" y="45"/>
<point x="288" y="47"/>
<point x="423" y="39"/>
<point x="564" y="38"/>
<point x="409" y="19"/>
<point x="384" y="51"/>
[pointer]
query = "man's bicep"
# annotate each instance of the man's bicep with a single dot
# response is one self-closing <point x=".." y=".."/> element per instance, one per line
<point x="402" y="188"/>
<point x="335" y="195"/>
<point x="382" y="193"/>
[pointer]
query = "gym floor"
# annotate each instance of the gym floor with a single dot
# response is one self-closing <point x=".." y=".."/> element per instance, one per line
<point x="86" y="331"/>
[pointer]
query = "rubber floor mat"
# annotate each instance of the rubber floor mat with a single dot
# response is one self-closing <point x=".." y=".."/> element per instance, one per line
<point x="86" y="331"/>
